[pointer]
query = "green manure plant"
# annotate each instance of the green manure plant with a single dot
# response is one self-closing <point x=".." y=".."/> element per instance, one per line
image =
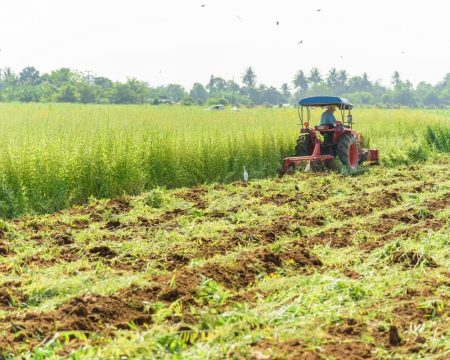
<point x="57" y="155"/>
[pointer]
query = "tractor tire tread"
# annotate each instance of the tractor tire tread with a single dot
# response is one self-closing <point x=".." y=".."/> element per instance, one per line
<point x="303" y="147"/>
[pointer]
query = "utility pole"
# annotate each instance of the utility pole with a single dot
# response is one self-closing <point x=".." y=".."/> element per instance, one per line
<point x="89" y="76"/>
<point x="233" y="92"/>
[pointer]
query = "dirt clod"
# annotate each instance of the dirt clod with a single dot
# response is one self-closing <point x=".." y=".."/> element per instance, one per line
<point x="103" y="251"/>
<point x="63" y="239"/>
<point x="113" y="225"/>
<point x="412" y="258"/>
<point x="394" y="336"/>
<point x="420" y="340"/>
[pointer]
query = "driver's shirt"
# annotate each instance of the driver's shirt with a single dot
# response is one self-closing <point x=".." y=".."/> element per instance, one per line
<point x="327" y="118"/>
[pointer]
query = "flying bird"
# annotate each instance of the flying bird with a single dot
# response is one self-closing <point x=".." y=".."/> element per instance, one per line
<point x="278" y="23"/>
<point x="300" y="42"/>
<point x="319" y="10"/>
<point x="245" y="175"/>
<point x="238" y="17"/>
<point x="203" y="5"/>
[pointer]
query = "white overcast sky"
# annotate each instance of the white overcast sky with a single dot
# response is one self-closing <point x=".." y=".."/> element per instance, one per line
<point x="178" y="41"/>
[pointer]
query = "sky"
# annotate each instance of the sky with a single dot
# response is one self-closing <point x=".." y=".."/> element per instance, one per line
<point x="181" y="41"/>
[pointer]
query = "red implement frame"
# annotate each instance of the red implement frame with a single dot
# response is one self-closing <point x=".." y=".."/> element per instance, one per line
<point x="290" y="162"/>
<point x="372" y="156"/>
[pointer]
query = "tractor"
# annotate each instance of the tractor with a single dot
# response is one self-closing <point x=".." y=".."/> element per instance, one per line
<point x="339" y="139"/>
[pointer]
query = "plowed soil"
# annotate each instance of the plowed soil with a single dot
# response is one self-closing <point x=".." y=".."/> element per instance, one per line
<point x="241" y="263"/>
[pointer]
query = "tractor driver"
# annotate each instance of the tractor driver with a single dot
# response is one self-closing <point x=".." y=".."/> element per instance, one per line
<point x="328" y="118"/>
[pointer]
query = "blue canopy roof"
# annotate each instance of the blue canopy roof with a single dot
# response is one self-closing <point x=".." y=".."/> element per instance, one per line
<point x="325" y="101"/>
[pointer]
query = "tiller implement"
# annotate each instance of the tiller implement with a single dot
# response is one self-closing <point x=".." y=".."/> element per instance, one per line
<point x="339" y="139"/>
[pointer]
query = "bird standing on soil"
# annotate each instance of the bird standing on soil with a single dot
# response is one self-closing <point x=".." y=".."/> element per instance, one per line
<point x="245" y="175"/>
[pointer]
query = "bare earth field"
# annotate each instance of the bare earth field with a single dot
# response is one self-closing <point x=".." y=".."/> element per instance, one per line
<point x="312" y="266"/>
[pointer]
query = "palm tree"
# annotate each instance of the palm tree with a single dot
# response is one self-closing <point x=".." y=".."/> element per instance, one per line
<point x="285" y="90"/>
<point x="8" y="76"/>
<point x="396" y="78"/>
<point x="314" y="76"/>
<point x="333" y="78"/>
<point x="343" y="77"/>
<point x="366" y="83"/>
<point x="300" y="81"/>
<point x="249" y="77"/>
<point x="210" y="85"/>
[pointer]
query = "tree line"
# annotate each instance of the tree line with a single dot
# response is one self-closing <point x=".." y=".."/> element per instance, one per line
<point x="69" y="86"/>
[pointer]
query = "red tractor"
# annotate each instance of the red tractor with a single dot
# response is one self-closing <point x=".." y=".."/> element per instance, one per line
<point x="339" y="138"/>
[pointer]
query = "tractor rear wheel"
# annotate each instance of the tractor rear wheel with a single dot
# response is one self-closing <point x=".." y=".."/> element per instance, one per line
<point x="304" y="145"/>
<point x="348" y="151"/>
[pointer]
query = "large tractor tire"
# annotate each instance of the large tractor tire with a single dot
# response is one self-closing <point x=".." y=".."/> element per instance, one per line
<point x="348" y="151"/>
<point x="304" y="145"/>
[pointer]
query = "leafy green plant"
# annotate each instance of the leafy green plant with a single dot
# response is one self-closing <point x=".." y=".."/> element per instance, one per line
<point x="154" y="198"/>
<point x="210" y="292"/>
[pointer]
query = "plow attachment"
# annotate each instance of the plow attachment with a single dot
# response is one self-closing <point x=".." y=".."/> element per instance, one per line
<point x="368" y="155"/>
<point x="290" y="162"/>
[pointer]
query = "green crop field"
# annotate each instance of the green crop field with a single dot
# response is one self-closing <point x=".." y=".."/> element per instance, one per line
<point x="54" y="156"/>
<point x="127" y="233"/>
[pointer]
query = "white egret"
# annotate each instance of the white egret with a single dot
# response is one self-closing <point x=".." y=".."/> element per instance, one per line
<point x="245" y="175"/>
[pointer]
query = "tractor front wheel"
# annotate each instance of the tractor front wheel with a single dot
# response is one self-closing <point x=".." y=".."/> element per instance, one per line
<point x="304" y="145"/>
<point x="348" y="151"/>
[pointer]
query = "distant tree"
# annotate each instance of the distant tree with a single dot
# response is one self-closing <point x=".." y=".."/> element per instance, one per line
<point x="314" y="76"/>
<point x="216" y="85"/>
<point x="9" y="78"/>
<point x="249" y="77"/>
<point x="123" y="94"/>
<point x="88" y="93"/>
<point x="270" y="95"/>
<point x="361" y="97"/>
<point x="29" y="75"/>
<point x="210" y="85"/>
<point x="220" y="84"/>
<point x="103" y="82"/>
<point x="175" y="92"/>
<point x="342" y="78"/>
<point x="232" y="86"/>
<point x="66" y="85"/>
<point x="67" y="94"/>
<point x="333" y="78"/>
<point x="395" y="80"/>
<point x="403" y="92"/>
<point x="359" y="84"/>
<point x="404" y="97"/>
<point x="198" y="93"/>
<point x="431" y="99"/>
<point x="300" y="81"/>
<point x="28" y="93"/>
<point x="139" y="90"/>
<point x="285" y="90"/>
<point x="445" y="83"/>
<point x="60" y="76"/>
<point x="366" y="83"/>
